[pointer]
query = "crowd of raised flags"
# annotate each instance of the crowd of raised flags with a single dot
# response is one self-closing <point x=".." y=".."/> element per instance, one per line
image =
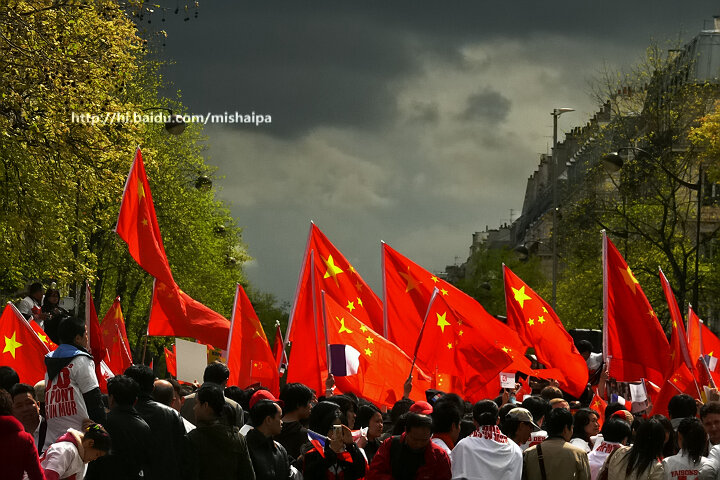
<point x="423" y="327"/>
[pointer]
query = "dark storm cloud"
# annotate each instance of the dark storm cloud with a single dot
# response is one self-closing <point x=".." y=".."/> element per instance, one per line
<point x="487" y="105"/>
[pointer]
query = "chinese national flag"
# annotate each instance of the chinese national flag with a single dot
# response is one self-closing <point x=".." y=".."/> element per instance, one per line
<point x="408" y="288"/>
<point x="704" y="347"/>
<point x="96" y="346"/>
<point x="43" y="336"/>
<point x="115" y="339"/>
<point x="539" y="326"/>
<point x="250" y="359"/>
<point x="21" y="348"/>
<point x="598" y="404"/>
<point x="171" y="361"/>
<point x="324" y="268"/>
<point x="635" y="345"/>
<point x="175" y="314"/>
<point x="694" y="335"/>
<point x="681" y="381"/>
<point x="442" y="344"/>
<point x="679" y="350"/>
<point x="365" y="363"/>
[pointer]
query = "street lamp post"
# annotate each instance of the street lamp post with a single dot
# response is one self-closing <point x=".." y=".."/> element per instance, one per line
<point x="614" y="162"/>
<point x="553" y="175"/>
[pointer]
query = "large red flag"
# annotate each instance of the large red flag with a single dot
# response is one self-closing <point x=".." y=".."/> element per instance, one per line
<point x="171" y="361"/>
<point x="599" y="405"/>
<point x="681" y="381"/>
<point x="250" y="359"/>
<point x="635" y="345"/>
<point x="43" y="336"/>
<point x="704" y="347"/>
<point x="22" y="349"/>
<point x="114" y="336"/>
<point x="324" y="268"/>
<point x="679" y="350"/>
<point x="173" y="313"/>
<point x="538" y="325"/>
<point x="365" y="363"/>
<point x="96" y="346"/>
<point x="694" y="335"/>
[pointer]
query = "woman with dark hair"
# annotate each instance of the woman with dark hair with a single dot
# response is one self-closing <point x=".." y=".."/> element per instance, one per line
<point x="370" y="417"/>
<point x="332" y="454"/>
<point x="348" y="407"/>
<point x="642" y="460"/>
<point x="585" y="425"/>
<point x="670" y="445"/>
<point x="691" y="439"/>
<point x="68" y="455"/>
<point x="51" y="302"/>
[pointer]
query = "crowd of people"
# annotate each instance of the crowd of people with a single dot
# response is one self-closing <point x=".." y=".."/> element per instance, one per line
<point x="149" y="428"/>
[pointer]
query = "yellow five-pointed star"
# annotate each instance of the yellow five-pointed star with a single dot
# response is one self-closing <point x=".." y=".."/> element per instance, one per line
<point x="11" y="344"/>
<point x="545" y="310"/>
<point x="460" y="333"/>
<point x="43" y="338"/>
<point x="370" y="340"/>
<point x="541" y="319"/>
<point x="629" y="278"/>
<point x="520" y="295"/>
<point x="449" y="345"/>
<point x="443" y="291"/>
<point x="144" y="221"/>
<point x="674" y="324"/>
<point x="352" y="269"/>
<point x="434" y="279"/>
<point x="350" y="306"/>
<point x="358" y="286"/>
<point x="368" y="352"/>
<point x="505" y="349"/>
<point x="363" y="328"/>
<point x="332" y="269"/>
<point x="531" y="321"/>
<point x="141" y="190"/>
<point x="651" y="312"/>
<point x="343" y="328"/>
<point x="359" y="300"/>
<point x="411" y="282"/>
<point x="441" y="322"/>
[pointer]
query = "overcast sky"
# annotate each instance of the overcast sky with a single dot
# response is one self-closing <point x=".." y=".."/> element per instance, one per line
<point x="416" y="123"/>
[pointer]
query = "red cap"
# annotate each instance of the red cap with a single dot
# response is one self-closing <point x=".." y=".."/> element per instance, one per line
<point x="422" y="407"/>
<point x="263" y="395"/>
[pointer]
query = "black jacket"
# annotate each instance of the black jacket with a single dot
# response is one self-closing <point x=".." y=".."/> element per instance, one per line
<point x="217" y="451"/>
<point x="168" y="433"/>
<point x="131" y="448"/>
<point x="270" y="459"/>
<point x="293" y="436"/>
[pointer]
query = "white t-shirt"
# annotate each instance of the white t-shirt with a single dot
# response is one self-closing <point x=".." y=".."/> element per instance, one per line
<point x="441" y="443"/>
<point x="535" y="438"/>
<point x="600" y="452"/>
<point x="64" y="404"/>
<point x="486" y="453"/>
<point x="680" y="467"/>
<point x="64" y="459"/>
<point x="580" y="443"/>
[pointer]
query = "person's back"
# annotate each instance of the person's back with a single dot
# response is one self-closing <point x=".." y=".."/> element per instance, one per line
<point x="297" y="405"/>
<point x="165" y="424"/>
<point x="18" y="453"/>
<point x="217" y="374"/>
<point x="131" y="447"/>
<point x="486" y="453"/>
<point x="556" y="457"/>
<point x="641" y="461"/>
<point x="615" y="432"/>
<point x="687" y="462"/>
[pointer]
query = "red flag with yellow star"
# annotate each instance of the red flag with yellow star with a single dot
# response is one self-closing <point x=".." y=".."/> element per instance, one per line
<point x="679" y="350"/>
<point x="119" y="356"/>
<point x="538" y="326"/>
<point x="598" y="404"/>
<point x="324" y="268"/>
<point x="21" y="348"/>
<point x="171" y="361"/>
<point x="704" y="347"/>
<point x="43" y="336"/>
<point x="635" y="345"/>
<point x="681" y="381"/>
<point x="250" y="359"/>
<point x="96" y="346"/>
<point x="365" y="363"/>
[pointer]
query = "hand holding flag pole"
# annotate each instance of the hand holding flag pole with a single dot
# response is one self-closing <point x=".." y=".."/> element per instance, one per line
<point x="422" y="330"/>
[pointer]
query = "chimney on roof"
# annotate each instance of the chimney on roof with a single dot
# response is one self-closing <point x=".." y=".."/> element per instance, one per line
<point x="716" y="23"/>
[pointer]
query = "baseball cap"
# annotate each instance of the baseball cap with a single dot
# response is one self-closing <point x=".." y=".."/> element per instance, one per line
<point x="263" y="395"/>
<point x="522" y="415"/>
<point x="422" y="407"/>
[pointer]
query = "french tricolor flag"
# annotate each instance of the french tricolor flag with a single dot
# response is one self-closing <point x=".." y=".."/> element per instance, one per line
<point x="614" y="397"/>
<point x="711" y="362"/>
<point x="344" y="360"/>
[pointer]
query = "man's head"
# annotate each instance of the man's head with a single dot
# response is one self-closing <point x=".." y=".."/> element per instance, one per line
<point x="485" y="412"/>
<point x="36" y="291"/>
<point x="8" y="377"/>
<point x="71" y="331"/>
<point x="616" y="430"/>
<point x="418" y="431"/>
<point x="209" y="402"/>
<point x="710" y="417"/>
<point x="163" y="392"/>
<point x="143" y="375"/>
<point x="25" y="407"/>
<point x="217" y="373"/>
<point x="266" y="417"/>
<point x="549" y="393"/>
<point x="323" y="416"/>
<point x="585" y="348"/>
<point x="682" y="406"/>
<point x="297" y="399"/>
<point x="519" y="424"/>
<point x="538" y="406"/>
<point x="559" y="422"/>
<point x="446" y="419"/>
<point x="122" y="391"/>
<point x="559" y="403"/>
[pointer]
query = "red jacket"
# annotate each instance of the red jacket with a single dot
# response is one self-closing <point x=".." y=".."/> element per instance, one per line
<point x="436" y="466"/>
<point x="18" y="454"/>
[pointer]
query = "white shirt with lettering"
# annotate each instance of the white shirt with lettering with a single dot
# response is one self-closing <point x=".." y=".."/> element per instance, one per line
<point x="486" y="453"/>
<point x="600" y="452"/>
<point x="535" y="438"/>
<point x="64" y="404"/>
<point x="680" y="467"/>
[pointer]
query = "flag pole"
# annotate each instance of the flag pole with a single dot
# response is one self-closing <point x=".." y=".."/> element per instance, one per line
<point x="328" y="358"/>
<point x="707" y="367"/>
<point x="232" y="318"/>
<point x="606" y="357"/>
<point x="422" y="330"/>
<point x="384" y="288"/>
